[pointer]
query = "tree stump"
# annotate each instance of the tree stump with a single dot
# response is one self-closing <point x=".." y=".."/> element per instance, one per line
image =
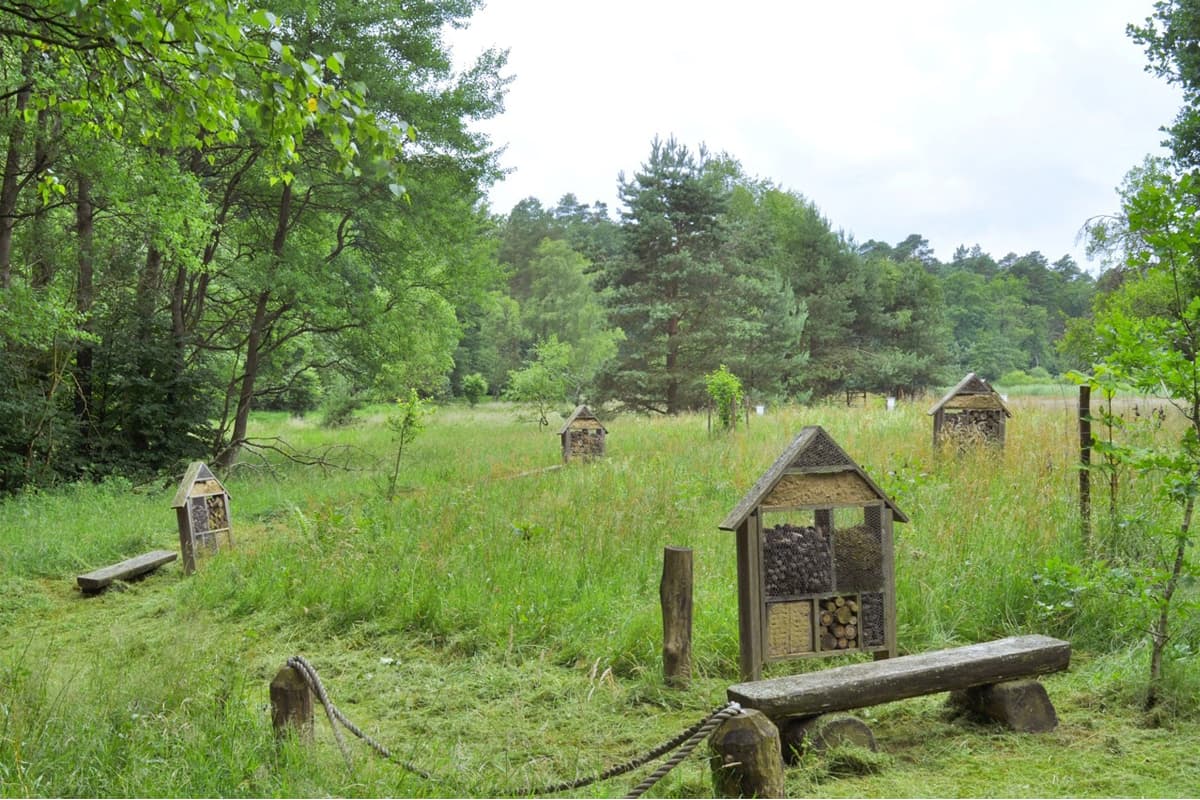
<point x="799" y="734"/>
<point x="1021" y="705"/>
<point x="746" y="759"/>
<point x="675" y="595"/>
<point x="291" y="704"/>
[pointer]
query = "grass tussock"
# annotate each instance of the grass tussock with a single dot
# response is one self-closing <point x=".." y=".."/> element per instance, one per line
<point x="497" y="623"/>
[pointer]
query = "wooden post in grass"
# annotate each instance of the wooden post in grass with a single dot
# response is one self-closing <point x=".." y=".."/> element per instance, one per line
<point x="1085" y="466"/>
<point x="291" y="704"/>
<point x="747" y="760"/>
<point x="675" y="595"/>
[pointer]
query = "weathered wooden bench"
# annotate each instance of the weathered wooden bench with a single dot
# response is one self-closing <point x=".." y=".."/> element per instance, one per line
<point x="874" y="682"/>
<point x="98" y="579"/>
<point x="990" y="679"/>
<point x="994" y="679"/>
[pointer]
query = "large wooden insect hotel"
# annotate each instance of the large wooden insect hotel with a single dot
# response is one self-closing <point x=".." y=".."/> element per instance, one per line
<point x="202" y="507"/>
<point x="971" y="412"/>
<point x="582" y="435"/>
<point x="818" y="577"/>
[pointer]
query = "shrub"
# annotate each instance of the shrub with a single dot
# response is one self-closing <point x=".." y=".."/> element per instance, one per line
<point x="474" y="387"/>
<point x="726" y="392"/>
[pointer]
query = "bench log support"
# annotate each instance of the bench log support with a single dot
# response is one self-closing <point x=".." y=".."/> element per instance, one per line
<point x="1021" y="705"/>
<point x="801" y="734"/>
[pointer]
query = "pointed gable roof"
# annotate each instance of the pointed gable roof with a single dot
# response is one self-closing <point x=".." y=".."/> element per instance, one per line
<point x="813" y="451"/>
<point x="196" y="471"/>
<point x="581" y="412"/>
<point x="972" y="384"/>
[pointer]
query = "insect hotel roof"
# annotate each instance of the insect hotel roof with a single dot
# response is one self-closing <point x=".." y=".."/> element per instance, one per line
<point x="971" y="394"/>
<point x="813" y="472"/>
<point x="814" y="590"/>
<point x="198" y="481"/>
<point x="582" y="417"/>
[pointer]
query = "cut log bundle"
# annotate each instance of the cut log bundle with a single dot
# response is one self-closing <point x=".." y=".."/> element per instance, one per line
<point x="838" y="623"/>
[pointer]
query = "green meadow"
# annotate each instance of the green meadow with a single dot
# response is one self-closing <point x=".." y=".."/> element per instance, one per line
<point x="497" y="623"/>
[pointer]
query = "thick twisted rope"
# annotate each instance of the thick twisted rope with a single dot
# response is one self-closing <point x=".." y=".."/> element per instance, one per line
<point x="710" y="724"/>
<point x="700" y="729"/>
<point x="302" y="666"/>
<point x="689" y="739"/>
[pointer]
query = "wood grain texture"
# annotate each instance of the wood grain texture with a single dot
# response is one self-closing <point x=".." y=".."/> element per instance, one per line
<point x="97" y="579"/>
<point x="870" y="683"/>
<point x="675" y="596"/>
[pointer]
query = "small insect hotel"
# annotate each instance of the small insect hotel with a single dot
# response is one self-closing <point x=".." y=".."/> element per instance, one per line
<point x="818" y="579"/>
<point x="202" y="508"/>
<point x="970" y="412"/>
<point x="582" y="435"/>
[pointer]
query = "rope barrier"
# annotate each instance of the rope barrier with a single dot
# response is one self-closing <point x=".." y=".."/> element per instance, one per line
<point x="683" y="744"/>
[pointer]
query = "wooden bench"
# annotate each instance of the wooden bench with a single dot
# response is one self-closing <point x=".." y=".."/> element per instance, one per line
<point x="972" y="670"/>
<point x="96" y="580"/>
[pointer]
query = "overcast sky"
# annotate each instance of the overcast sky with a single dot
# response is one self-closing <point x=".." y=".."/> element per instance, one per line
<point x="1004" y="124"/>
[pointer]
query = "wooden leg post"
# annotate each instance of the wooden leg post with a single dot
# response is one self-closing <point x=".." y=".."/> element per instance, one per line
<point x="746" y="757"/>
<point x="291" y="704"/>
<point x="675" y="594"/>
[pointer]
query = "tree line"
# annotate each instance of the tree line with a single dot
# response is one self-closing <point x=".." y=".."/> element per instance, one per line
<point x="207" y="209"/>
<point x="705" y="265"/>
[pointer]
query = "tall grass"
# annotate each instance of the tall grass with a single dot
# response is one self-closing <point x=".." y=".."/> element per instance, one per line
<point x="489" y="575"/>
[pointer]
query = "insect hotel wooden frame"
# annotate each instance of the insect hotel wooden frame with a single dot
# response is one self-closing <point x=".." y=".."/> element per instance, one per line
<point x="971" y="408"/>
<point x="819" y="590"/>
<point x="583" y="436"/>
<point x="202" y="507"/>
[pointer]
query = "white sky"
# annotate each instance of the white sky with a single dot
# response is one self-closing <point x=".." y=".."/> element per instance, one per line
<point x="1004" y="124"/>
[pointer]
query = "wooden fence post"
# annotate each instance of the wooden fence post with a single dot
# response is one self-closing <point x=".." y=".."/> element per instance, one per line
<point x="291" y="704"/>
<point x="675" y="595"/>
<point x="1085" y="466"/>
<point x="747" y="760"/>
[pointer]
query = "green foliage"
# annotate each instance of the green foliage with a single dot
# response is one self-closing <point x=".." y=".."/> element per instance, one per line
<point x="337" y="410"/>
<point x="725" y="390"/>
<point x="253" y="232"/>
<point x="1152" y="347"/>
<point x="474" y="388"/>
<point x="545" y="381"/>
<point x="408" y="421"/>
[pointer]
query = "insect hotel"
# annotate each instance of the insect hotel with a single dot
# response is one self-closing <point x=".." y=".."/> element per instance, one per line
<point x="202" y="508"/>
<point x="818" y="579"/>
<point x="582" y="435"/>
<point x="970" y="412"/>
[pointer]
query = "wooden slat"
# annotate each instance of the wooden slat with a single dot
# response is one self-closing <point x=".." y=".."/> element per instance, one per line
<point x="129" y="568"/>
<point x="871" y="683"/>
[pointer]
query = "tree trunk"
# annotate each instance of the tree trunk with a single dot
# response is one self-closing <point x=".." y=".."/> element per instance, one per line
<point x="84" y="298"/>
<point x="672" y="363"/>
<point x="259" y="328"/>
<point x="41" y="269"/>
<point x="9" y="189"/>
<point x="1160" y="635"/>
<point x="245" y="401"/>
